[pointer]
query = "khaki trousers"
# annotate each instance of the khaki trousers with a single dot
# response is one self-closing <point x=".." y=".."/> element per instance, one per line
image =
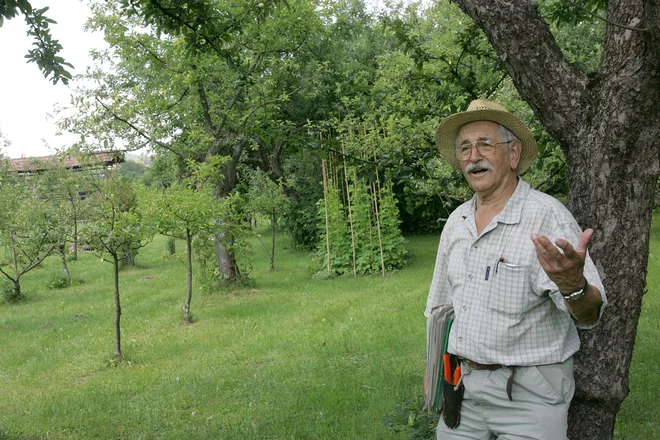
<point x="539" y="411"/>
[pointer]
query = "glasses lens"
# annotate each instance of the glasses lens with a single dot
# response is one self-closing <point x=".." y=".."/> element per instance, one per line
<point x="464" y="151"/>
<point x="485" y="148"/>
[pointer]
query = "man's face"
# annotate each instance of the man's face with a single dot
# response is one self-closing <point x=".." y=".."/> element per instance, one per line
<point x="486" y="174"/>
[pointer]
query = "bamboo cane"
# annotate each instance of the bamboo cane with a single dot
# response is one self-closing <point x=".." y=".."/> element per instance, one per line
<point x="350" y="210"/>
<point x="327" y="226"/>
<point x="376" y="193"/>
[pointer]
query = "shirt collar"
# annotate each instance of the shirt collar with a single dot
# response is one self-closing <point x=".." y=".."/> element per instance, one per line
<point x="512" y="212"/>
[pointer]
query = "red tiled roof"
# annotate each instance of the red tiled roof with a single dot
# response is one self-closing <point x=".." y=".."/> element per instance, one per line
<point x="45" y="162"/>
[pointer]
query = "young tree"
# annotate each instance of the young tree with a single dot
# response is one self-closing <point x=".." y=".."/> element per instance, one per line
<point x="268" y="198"/>
<point x="607" y="126"/>
<point x="118" y="228"/>
<point x="29" y="230"/>
<point x="194" y="79"/>
<point x="185" y="212"/>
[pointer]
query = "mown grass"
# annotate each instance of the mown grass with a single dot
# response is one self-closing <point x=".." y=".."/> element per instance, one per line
<point x="288" y="358"/>
<point x="639" y="417"/>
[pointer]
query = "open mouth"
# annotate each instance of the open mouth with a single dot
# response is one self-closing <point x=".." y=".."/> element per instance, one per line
<point x="479" y="171"/>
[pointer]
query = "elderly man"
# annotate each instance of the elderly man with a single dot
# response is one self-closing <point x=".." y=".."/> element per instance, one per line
<point x="514" y="264"/>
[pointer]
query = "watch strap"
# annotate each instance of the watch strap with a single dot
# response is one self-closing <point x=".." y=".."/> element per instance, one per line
<point x="578" y="293"/>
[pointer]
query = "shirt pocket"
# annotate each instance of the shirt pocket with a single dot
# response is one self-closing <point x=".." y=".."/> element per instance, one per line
<point x="510" y="289"/>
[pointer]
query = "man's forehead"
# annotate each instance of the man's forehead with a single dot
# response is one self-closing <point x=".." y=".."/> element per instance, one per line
<point x="483" y="129"/>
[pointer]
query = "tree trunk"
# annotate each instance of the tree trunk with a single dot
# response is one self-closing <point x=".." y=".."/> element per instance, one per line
<point x="75" y="238"/>
<point x="62" y="252"/>
<point x="608" y="128"/>
<point x="273" y="225"/>
<point x="223" y="243"/>
<point x="117" y="309"/>
<point x="16" y="292"/>
<point x="225" y="257"/>
<point x="186" y="306"/>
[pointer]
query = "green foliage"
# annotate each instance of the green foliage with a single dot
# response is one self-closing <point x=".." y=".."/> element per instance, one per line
<point x="170" y="245"/>
<point x="359" y="226"/>
<point x="7" y="290"/>
<point x="132" y="169"/>
<point x="300" y="219"/>
<point x="233" y="231"/>
<point x="412" y="421"/>
<point x="264" y="196"/>
<point x="46" y="50"/>
<point x="30" y="229"/>
<point x="58" y="281"/>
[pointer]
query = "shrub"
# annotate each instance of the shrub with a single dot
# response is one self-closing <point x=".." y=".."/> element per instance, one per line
<point x="410" y="419"/>
<point x="170" y="244"/>
<point x="58" y="281"/>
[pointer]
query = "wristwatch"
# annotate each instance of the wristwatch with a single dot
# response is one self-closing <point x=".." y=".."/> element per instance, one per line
<point x="578" y="293"/>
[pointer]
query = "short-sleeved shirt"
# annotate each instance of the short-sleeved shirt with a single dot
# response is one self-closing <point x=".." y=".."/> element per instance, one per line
<point x="507" y="311"/>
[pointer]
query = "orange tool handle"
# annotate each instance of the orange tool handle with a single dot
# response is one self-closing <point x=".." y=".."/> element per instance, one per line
<point x="447" y="367"/>
<point x="457" y="375"/>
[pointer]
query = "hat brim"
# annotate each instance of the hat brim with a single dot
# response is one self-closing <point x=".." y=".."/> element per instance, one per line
<point x="445" y="135"/>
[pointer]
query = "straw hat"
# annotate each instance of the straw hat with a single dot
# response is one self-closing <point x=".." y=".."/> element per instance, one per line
<point x="484" y="110"/>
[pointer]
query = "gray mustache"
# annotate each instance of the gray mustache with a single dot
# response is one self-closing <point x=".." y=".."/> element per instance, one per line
<point x="478" y="166"/>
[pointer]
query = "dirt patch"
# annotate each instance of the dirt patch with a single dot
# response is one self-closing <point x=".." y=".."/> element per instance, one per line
<point x="79" y="316"/>
<point x="148" y="277"/>
<point x="7" y="326"/>
<point x="46" y="325"/>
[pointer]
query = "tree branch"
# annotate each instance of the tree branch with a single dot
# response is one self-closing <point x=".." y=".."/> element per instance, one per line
<point x="605" y="19"/>
<point x="139" y="131"/>
<point x="556" y="90"/>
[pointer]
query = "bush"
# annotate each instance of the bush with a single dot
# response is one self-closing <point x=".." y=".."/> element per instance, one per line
<point x="7" y="290"/>
<point x="170" y="244"/>
<point x="58" y="281"/>
<point x="410" y="419"/>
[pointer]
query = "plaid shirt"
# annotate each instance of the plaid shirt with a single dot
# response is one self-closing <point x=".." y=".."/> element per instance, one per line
<point x="507" y="311"/>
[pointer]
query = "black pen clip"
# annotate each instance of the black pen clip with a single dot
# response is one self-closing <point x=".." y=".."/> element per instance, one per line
<point x="501" y="260"/>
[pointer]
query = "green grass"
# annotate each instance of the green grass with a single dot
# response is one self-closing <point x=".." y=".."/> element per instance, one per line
<point x="289" y="358"/>
<point x="639" y="417"/>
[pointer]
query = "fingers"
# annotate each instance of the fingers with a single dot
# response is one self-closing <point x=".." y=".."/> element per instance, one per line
<point x="584" y="239"/>
<point x="546" y="250"/>
<point x="581" y="250"/>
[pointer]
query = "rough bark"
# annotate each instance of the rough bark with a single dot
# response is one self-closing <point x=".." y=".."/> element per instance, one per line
<point x="223" y="243"/>
<point x="608" y="128"/>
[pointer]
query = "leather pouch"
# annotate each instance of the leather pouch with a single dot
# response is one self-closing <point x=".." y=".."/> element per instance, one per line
<point x="452" y="399"/>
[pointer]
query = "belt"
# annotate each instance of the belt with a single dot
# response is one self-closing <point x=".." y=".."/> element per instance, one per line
<point x="477" y="366"/>
<point x="492" y="367"/>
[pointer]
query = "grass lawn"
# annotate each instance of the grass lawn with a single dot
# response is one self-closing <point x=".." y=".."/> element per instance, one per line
<point x="289" y="358"/>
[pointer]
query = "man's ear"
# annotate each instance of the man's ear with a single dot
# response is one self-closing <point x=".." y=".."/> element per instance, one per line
<point x="515" y="149"/>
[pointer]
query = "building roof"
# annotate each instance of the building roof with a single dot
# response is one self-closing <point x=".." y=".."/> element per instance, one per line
<point x="42" y="163"/>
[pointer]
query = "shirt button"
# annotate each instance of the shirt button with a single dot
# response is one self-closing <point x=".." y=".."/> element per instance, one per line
<point x="460" y="339"/>
<point x="476" y="246"/>
<point x="470" y="276"/>
<point x="464" y="308"/>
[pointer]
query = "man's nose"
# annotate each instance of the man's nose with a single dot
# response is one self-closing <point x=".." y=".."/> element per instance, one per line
<point x="475" y="154"/>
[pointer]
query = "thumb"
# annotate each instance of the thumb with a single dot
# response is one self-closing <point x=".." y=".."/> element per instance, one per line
<point x="584" y="241"/>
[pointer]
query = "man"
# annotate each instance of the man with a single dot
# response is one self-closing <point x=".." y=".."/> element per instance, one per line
<point x="514" y="264"/>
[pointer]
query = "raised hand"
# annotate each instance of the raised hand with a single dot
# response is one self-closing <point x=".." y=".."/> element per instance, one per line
<point x="563" y="263"/>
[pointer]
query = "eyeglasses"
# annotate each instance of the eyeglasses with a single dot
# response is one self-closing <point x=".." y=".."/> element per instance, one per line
<point x="484" y="148"/>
